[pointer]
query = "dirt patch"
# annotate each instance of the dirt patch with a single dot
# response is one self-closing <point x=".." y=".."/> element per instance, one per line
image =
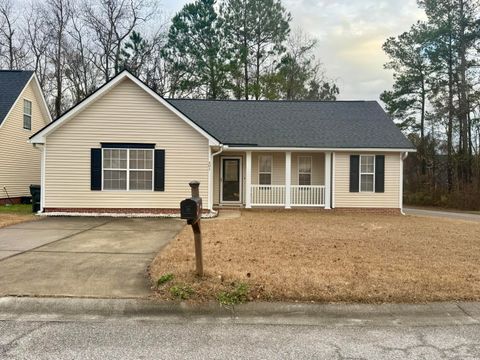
<point x="311" y="256"/>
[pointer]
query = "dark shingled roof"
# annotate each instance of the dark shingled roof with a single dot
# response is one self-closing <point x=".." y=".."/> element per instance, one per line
<point x="320" y="124"/>
<point x="12" y="83"/>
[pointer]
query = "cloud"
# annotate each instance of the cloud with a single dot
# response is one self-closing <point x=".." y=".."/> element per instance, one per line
<point x="351" y="34"/>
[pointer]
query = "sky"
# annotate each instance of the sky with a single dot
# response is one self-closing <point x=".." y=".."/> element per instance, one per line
<point x="350" y="35"/>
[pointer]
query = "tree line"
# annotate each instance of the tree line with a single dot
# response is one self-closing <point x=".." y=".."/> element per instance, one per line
<point x="240" y="49"/>
<point x="435" y="99"/>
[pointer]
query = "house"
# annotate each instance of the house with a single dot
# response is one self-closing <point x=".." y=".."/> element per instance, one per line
<point x="23" y="111"/>
<point x="127" y="149"/>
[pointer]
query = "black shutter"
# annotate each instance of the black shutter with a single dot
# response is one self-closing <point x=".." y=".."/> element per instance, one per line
<point x="354" y="172"/>
<point x="96" y="169"/>
<point x="380" y="173"/>
<point x="159" y="178"/>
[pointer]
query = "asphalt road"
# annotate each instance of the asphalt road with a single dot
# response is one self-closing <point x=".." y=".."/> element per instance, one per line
<point x="442" y="214"/>
<point x="158" y="339"/>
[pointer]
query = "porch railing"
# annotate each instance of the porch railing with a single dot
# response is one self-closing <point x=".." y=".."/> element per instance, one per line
<point x="311" y="195"/>
<point x="300" y="195"/>
<point x="268" y="195"/>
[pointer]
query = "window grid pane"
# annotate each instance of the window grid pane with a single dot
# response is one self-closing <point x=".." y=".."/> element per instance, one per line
<point x="115" y="180"/>
<point x="367" y="164"/>
<point x="27" y="107"/>
<point x="140" y="180"/>
<point x="305" y="179"/>
<point x="265" y="179"/>
<point x="265" y="164"/>
<point x="304" y="164"/>
<point x="141" y="159"/>
<point x="27" y="122"/>
<point x="367" y="182"/>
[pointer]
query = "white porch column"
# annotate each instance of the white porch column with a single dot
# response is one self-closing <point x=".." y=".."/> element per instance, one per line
<point x="248" y="180"/>
<point x="288" y="178"/>
<point x="328" y="179"/>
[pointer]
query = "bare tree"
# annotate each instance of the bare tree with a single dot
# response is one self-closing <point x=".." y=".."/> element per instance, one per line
<point x="8" y="36"/>
<point x="111" y="22"/>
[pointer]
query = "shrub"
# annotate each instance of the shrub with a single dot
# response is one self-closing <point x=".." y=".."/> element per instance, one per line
<point x="237" y="295"/>
<point x="181" y="291"/>
<point x="164" y="279"/>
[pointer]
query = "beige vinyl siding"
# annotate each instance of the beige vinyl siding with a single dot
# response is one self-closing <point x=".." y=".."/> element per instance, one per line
<point x="389" y="199"/>
<point x="126" y="114"/>
<point x="19" y="160"/>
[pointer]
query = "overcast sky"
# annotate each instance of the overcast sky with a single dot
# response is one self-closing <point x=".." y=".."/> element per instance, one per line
<point x="350" y="34"/>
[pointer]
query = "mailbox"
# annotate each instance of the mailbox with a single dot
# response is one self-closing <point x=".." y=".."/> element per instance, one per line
<point x="191" y="209"/>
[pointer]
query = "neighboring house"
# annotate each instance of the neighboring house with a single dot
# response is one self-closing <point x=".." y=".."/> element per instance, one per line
<point x="127" y="149"/>
<point x="23" y="111"/>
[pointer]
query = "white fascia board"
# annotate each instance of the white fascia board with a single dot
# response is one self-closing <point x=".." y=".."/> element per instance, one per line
<point x="40" y="137"/>
<point x="355" y="150"/>
<point x="43" y="104"/>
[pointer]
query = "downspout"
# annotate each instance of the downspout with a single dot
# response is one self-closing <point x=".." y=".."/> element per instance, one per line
<point x="402" y="158"/>
<point x="210" y="175"/>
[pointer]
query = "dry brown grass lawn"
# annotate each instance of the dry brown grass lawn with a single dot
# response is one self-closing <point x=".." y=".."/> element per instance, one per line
<point x="311" y="256"/>
<point x="12" y="219"/>
<point x="14" y="214"/>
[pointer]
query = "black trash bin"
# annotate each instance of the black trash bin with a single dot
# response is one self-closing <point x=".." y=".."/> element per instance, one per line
<point x="35" y="192"/>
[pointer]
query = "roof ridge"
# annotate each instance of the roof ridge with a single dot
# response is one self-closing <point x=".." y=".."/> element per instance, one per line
<point x="267" y="100"/>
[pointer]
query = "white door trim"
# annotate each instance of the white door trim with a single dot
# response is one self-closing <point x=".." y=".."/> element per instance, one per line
<point x="240" y="175"/>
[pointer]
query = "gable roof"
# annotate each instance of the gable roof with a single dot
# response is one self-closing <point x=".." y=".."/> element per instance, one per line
<point x="39" y="136"/>
<point x="12" y="83"/>
<point x="309" y="124"/>
<point x="296" y="124"/>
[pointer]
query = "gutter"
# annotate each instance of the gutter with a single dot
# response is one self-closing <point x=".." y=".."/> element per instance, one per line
<point x="402" y="158"/>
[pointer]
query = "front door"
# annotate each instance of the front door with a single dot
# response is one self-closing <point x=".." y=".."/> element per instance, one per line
<point x="231" y="179"/>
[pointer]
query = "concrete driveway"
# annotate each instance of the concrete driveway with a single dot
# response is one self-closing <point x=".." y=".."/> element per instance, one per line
<point x="82" y="257"/>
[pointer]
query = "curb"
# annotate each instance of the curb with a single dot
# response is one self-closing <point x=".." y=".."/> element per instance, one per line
<point x="74" y="309"/>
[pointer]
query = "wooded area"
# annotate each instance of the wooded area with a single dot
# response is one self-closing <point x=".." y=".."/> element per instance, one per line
<point x="436" y="100"/>
<point x="241" y="49"/>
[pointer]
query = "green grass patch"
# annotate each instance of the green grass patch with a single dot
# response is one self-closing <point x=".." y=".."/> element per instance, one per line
<point x="164" y="279"/>
<point x="16" y="209"/>
<point x="236" y="295"/>
<point x="181" y="291"/>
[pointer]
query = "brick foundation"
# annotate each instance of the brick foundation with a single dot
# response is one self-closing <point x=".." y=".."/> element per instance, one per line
<point x="15" y="200"/>
<point x="116" y="211"/>
<point x="380" y="211"/>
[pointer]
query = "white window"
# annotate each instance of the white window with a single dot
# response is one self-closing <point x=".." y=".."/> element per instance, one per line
<point x="265" y="170"/>
<point x="305" y="170"/>
<point x="128" y="169"/>
<point x="367" y="173"/>
<point x="27" y="114"/>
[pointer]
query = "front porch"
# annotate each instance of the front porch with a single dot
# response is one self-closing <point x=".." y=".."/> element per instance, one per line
<point x="273" y="179"/>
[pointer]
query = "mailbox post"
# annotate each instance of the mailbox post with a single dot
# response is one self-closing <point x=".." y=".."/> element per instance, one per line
<point x="191" y="210"/>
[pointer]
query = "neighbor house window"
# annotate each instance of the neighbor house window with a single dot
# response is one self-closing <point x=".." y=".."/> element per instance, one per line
<point x="265" y="170"/>
<point x="27" y="114"/>
<point x="367" y="173"/>
<point x="305" y="170"/>
<point x="128" y="169"/>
